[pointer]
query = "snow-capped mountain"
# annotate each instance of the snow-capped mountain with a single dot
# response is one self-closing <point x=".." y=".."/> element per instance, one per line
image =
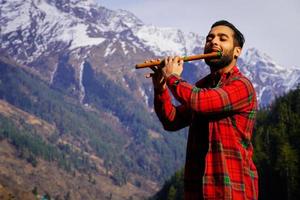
<point x="45" y="34"/>
<point x="269" y="78"/>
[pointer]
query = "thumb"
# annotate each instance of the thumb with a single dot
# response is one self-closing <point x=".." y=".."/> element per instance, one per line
<point x="181" y="62"/>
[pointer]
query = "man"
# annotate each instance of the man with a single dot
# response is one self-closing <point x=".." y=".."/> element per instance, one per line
<point x="220" y="111"/>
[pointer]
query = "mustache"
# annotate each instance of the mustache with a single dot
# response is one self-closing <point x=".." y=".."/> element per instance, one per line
<point x="212" y="49"/>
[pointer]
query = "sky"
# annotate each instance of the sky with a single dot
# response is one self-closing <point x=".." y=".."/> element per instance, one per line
<point x="271" y="26"/>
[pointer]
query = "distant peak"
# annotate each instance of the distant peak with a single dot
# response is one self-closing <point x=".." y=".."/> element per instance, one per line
<point x="253" y="55"/>
<point x="128" y="17"/>
<point x="257" y="53"/>
<point x="85" y="2"/>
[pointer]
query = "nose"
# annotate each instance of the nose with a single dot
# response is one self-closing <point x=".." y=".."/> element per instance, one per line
<point x="215" y="41"/>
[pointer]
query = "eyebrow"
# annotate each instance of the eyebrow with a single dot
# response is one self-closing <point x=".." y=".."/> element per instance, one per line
<point x="219" y="34"/>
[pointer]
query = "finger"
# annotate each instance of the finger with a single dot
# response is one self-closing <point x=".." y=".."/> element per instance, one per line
<point x="166" y="60"/>
<point x="163" y="62"/>
<point x="151" y="60"/>
<point x="181" y="62"/>
<point x="149" y="75"/>
<point x="176" y="59"/>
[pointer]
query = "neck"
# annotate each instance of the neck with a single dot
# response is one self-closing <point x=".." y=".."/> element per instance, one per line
<point x="225" y="69"/>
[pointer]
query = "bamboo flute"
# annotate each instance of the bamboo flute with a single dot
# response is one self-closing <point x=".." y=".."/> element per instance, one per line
<point x="211" y="55"/>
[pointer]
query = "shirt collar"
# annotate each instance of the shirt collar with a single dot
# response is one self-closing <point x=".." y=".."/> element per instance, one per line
<point x="225" y="75"/>
<point x="217" y="78"/>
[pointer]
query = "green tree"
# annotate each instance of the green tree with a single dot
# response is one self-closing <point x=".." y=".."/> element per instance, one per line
<point x="172" y="193"/>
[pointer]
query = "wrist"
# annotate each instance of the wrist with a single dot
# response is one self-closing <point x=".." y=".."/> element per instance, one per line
<point x="160" y="89"/>
<point x="167" y="75"/>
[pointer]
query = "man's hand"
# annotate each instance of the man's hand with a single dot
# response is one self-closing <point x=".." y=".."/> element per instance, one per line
<point x="158" y="79"/>
<point x="173" y="65"/>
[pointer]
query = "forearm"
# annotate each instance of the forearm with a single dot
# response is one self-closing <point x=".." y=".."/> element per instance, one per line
<point x="234" y="97"/>
<point x="172" y="118"/>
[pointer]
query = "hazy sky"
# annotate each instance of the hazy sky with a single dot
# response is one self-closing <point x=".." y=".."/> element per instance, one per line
<point x="272" y="26"/>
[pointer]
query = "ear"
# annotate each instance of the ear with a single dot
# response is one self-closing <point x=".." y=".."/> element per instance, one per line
<point x="237" y="52"/>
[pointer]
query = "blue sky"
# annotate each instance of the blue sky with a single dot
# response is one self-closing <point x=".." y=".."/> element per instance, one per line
<point x="272" y="26"/>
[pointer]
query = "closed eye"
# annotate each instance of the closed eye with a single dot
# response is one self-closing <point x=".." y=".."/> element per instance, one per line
<point x="223" y="37"/>
<point x="209" y="38"/>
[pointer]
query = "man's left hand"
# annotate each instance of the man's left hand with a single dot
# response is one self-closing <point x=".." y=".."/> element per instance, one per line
<point x="173" y="65"/>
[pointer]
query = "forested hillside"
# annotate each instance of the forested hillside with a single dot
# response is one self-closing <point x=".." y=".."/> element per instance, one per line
<point x="276" y="143"/>
<point x="44" y="124"/>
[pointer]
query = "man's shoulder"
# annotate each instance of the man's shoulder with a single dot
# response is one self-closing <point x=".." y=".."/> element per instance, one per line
<point x="239" y="76"/>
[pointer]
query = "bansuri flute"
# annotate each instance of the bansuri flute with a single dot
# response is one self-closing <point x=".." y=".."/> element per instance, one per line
<point x="211" y="55"/>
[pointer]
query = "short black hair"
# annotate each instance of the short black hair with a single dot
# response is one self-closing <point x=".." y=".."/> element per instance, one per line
<point x="238" y="36"/>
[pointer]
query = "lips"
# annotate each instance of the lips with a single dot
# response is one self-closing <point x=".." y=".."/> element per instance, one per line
<point x="212" y="49"/>
<point x="215" y="49"/>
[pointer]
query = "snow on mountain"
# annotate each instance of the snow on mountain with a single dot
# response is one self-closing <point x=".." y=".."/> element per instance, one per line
<point x="269" y="78"/>
<point x="166" y="41"/>
<point x="43" y="23"/>
<point x="31" y="30"/>
<point x="51" y="23"/>
<point x="129" y="19"/>
<point x="78" y="35"/>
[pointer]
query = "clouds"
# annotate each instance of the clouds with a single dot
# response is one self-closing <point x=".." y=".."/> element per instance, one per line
<point x="271" y="26"/>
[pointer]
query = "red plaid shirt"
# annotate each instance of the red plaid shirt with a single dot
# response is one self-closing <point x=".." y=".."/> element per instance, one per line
<point x="220" y="112"/>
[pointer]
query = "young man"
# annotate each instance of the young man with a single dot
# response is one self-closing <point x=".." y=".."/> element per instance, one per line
<point x="220" y="111"/>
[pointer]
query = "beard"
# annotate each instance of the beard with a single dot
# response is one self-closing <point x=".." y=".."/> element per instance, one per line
<point x="219" y="63"/>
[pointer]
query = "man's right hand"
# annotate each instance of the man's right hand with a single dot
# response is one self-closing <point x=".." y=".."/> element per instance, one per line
<point x="158" y="79"/>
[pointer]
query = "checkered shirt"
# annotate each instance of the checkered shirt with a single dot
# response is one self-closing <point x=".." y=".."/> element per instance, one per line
<point x="220" y="111"/>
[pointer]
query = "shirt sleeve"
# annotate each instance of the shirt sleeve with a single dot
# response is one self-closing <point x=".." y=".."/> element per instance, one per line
<point x="234" y="96"/>
<point x="172" y="117"/>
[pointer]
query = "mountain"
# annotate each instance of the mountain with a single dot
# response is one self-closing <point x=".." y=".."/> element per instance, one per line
<point x="44" y="33"/>
<point x="68" y="79"/>
<point x="270" y="79"/>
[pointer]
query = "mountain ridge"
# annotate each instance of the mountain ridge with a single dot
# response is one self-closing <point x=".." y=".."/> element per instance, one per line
<point x="51" y="28"/>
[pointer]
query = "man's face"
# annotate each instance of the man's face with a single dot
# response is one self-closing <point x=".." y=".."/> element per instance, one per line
<point x="220" y="38"/>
